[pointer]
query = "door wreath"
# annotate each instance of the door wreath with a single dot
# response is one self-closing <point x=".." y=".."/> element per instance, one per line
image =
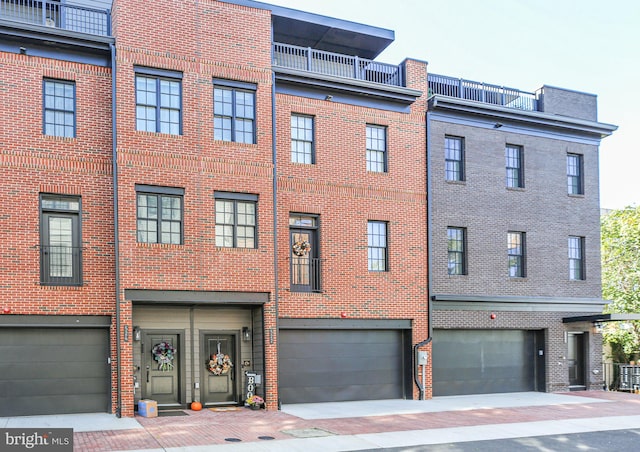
<point x="301" y="248"/>
<point x="164" y="353"/>
<point x="219" y="364"/>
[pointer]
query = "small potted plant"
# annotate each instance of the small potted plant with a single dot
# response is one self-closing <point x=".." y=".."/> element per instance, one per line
<point x="255" y="402"/>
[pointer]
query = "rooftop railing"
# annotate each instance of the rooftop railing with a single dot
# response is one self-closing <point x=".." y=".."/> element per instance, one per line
<point x="482" y="92"/>
<point x="56" y="15"/>
<point x="336" y="64"/>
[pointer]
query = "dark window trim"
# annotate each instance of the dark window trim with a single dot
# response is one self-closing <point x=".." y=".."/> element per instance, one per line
<point x="73" y="280"/>
<point x="75" y="105"/>
<point x="243" y="87"/>
<point x="313" y="134"/>
<point x="386" y="247"/>
<point x="159" y="74"/>
<point x="580" y="174"/>
<point x="142" y="189"/>
<point x="242" y="197"/>
<point x="235" y="84"/>
<point x="522" y="255"/>
<point x="463" y="169"/>
<point x="385" y="152"/>
<point x="463" y="252"/>
<point x="155" y="72"/>
<point x="158" y="189"/>
<point x="583" y="270"/>
<point x="235" y="196"/>
<point x="520" y="167"/>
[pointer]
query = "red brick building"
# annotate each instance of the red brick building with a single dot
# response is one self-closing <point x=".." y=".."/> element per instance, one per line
<point x="217" y="197"/>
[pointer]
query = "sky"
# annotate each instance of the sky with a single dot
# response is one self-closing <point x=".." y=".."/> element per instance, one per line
<point x="591" y="46"/>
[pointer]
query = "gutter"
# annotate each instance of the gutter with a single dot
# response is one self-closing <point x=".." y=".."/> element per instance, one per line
<point x="274" y="156"/>
<point x="429" y="260"/>
<point x="116" y="237"/>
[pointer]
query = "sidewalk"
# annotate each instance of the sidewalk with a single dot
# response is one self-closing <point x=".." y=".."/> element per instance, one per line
<point x="349" y="426"/>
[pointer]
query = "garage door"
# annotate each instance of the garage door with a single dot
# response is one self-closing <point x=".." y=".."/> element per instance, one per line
<point x="483" y="361"/>
<point x="54" y="371"/>
<point x="340" y="365"/>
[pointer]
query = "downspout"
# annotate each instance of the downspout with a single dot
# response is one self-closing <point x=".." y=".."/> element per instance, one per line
<point x="429" y="260"/>
<point x="116" y="238"/>
<point x="275" y="207"/>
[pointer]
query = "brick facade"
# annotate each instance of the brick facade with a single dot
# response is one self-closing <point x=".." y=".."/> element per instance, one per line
<point x="197" y="291"/>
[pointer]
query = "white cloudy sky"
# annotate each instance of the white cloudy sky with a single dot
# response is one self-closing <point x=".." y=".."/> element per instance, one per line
<point x="585" y="45"/>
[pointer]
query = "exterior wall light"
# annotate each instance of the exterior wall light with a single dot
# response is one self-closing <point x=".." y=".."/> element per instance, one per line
<point x="136" y="333"/>
<point x="246" y="334"/>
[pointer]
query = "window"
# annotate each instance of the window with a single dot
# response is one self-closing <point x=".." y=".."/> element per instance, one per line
<point x="516" y="254"/>
<point x="234" y="111"/>
<point x="158" y="101"/>
<point x="235" y="220"/>
<point x="305" y="258"/>
<point x="159" y="214"/>
<point x="456" y="249"/>
<point x="576" y="258"/>
<point x="377" y="238"/>
<point x="513" y="157"/>
<point x="376" y="149"/>
<point x="302" y="139"/>
<point x="575" y="183"/>
<point x="59" y="108"/>
<point x="60" y="243"/>
<point x="454" y="158"/>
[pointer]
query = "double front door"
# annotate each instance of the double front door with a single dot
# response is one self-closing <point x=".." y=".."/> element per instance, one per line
<point x="162" y="372"/>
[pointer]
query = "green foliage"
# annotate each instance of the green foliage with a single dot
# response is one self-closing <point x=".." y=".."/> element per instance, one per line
<point x="621" y="278"/>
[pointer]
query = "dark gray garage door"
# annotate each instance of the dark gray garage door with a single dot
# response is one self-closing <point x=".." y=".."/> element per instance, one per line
<point x="340" y="365"/>
<point x="53" y="371"/>
<point x="483" y="361"/>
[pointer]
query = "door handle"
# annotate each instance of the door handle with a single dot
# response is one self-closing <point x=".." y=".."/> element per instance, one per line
<point x="148" y="367"/>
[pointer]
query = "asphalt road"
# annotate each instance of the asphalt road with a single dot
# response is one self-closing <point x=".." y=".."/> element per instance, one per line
<point x="612" y="440"/>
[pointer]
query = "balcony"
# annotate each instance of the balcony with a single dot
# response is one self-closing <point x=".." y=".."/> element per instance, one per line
<point x="60" y="265"/>
<point x="46" y="13"/>
<point x="306" y="274"/>
<point x="336" y="65"/>
<point x="482" y="92"/>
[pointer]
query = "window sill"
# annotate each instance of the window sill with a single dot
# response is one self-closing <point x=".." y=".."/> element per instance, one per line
<point x="74" y="287"/>
<point x="572" y="195"/>
<point x="160" y="134"/>
<point x="515" y="189"/>
<point x="158" y="245"/>
<point x="59" y="138"/>
<point x="456" y="182"/>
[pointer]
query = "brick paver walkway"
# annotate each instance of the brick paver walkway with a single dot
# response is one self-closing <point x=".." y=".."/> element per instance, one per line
<point x="209" y="427"/>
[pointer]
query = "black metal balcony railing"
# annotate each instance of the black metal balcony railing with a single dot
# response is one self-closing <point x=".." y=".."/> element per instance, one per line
<point x="482" y="92"/>
<point x="335" y="64"/>
<point x="306" y="274"/>
<point x="60" y="265"/>
<point x="56" y="15"/>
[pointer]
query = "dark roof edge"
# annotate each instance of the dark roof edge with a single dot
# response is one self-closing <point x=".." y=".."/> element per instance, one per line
<point x="304" y="16"/>
<point x="438" y="101"/>
<point x="601" y="318"/>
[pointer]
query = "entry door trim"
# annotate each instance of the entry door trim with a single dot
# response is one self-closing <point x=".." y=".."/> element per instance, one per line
<point x="581" y="340"/>
<point x="237" y="367"/>
<point x="182" y="362"/>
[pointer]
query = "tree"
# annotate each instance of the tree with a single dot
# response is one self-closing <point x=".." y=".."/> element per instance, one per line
<point x="621" y="279"/>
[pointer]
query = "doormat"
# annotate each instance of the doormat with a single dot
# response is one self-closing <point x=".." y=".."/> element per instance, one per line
<point x="225" y="408"/>
<point x="172" y="413"/>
